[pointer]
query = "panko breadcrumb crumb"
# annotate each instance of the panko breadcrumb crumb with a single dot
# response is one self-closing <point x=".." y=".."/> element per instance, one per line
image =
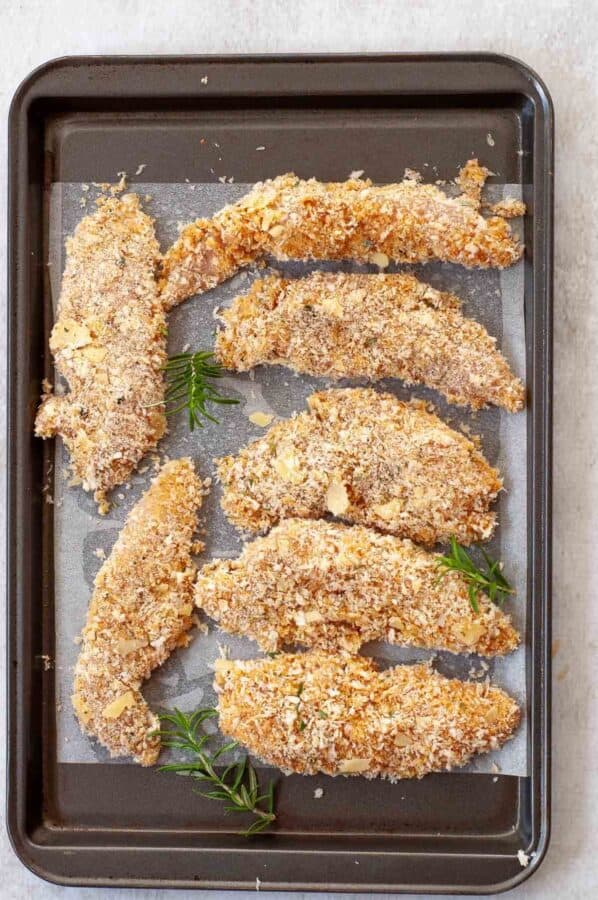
<point x="109" y="343"/>
<point x="508" y="209"/>
<point x="141" y="609"/>
<point x="288" y="218"/>
<point x="327" y="585"/>
<point x="334" y="713"/>
<point x="372" y="326"/>
<point x="370" y="459"/>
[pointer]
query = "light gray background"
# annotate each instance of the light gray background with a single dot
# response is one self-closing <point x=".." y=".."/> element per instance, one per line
<point x="558" y="39"/>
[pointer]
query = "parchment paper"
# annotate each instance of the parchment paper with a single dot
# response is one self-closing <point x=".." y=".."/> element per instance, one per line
<point x="493" y="298"/>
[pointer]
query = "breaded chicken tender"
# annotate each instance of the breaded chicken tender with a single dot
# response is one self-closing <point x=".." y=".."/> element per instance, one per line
<point x="334" y="713"/>
<point x="327" y="585"/>
<point x="370" y="459"/>
<point x="288" y="218"/>
<point x="109" y="343"/>
<point x="368" y="326"/>
<point x="140" y="611"/>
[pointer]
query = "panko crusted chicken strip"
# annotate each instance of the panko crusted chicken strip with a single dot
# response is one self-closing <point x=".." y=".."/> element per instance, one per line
<point x="288" y="218"/>
<point x="338" y="714"/>
<point x="109" y="343"/>
<point x="140" y="611"/>
<point x="370" y="459"/>
<point x="373" y="326"/>
<point x="327" y="585"/>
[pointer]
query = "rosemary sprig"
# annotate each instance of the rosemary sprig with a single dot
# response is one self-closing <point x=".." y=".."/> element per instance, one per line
<point x="237" y="785"/>
<point x="189" y="378"/>
<point x="492" y="581"/>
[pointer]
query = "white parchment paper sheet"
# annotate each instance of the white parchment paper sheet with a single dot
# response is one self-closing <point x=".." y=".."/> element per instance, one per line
<point x="493" y="298"/>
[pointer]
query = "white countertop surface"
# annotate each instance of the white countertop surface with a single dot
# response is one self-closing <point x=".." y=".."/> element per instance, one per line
<point x="557" y="38"/>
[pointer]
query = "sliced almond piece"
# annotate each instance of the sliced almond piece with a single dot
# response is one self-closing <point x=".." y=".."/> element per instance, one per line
<point x="94" y="354"/>
<point x="69" y="333"/>
<point x="379" y="259"/>
<point x="123" y="648"/>
<point x="313" y="615"/>
<point x="332" y="305"/>
<point x="118" y="706"/>
<point x="81" y="708"/>
<point x="261" y="418"/>
<point x="471" y="632"/>
<point x="388" y="511"/>
<point x="337" y="499"/>
<point x="350" y="766"/>
<point x="287" y="466"/>
<point x="492" y="715"/>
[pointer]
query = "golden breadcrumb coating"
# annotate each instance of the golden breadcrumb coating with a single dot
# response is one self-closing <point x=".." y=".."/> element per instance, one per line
<point x="327" y="585"/>
<point x="109" y="343"/>
<point x="508" y="209"/>
<point x="371" y="459"/>
<point x="288" y="218"/>
<point x="334" y="713"/>
<point x="372" y="326"/>
<point x="140" y="611"/>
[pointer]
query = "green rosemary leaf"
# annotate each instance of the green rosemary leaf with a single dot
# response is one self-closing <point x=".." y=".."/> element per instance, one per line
<point x="473" y="598"/>
<point x="244" y="795"/>
<point x="240" y="773"/>
<point x="270" y="794"/>
<point x="216" y="795"/>
<point x="253" y="784"/>
<point x="237" y="786"/>
<point x="189" y="386"/>
<point x="258" y="826"/>
<point x="491" y="580"/>
<point x="225" y="749"/>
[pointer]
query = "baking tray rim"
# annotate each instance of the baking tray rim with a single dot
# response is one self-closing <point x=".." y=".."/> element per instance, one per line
<point x="29" y="90"/>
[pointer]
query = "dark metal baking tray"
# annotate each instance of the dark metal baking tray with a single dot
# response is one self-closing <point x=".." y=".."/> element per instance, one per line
<point x="84" y="119"/>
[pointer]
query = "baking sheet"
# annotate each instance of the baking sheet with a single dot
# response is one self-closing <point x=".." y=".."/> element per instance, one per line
<point x="493" y="298"/>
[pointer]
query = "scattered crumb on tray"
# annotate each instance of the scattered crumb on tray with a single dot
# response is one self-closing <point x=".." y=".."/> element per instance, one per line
<point x="523" y="859"/>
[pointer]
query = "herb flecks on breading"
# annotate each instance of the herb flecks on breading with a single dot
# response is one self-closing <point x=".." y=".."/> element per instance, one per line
<point x="109" y="343"/>
<point x="367" y="458"/>
<point x="332" y="586"/>
<point x="404" y="722"/>
<point x="337" y="325"/>
<point x="288" y="218"/>
<point x="141" y="609"/>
